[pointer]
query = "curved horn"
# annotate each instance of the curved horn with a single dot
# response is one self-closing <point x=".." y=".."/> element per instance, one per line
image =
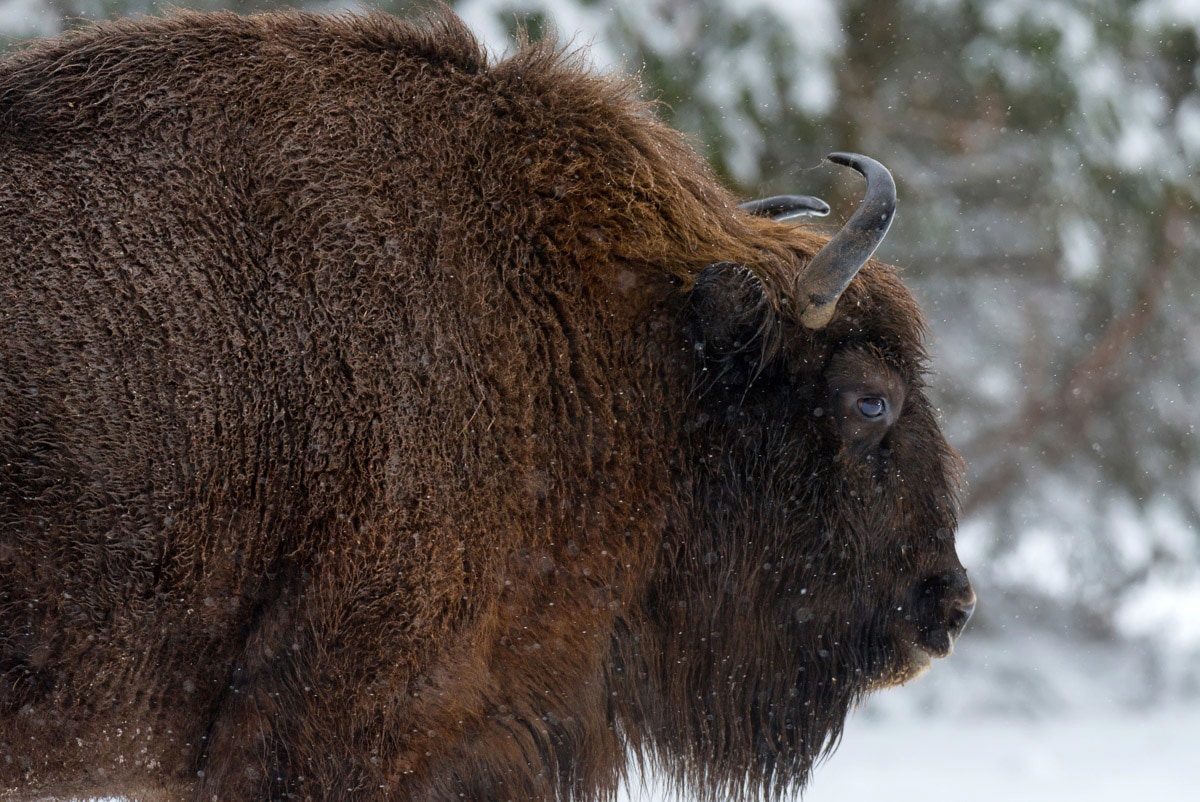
<point x="818" y="288"/>
<point x="785" y="207"/>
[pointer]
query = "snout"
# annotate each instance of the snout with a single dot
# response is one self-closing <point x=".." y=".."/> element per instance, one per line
<point x="960" y="613"/>
<point x="944" y="605"/>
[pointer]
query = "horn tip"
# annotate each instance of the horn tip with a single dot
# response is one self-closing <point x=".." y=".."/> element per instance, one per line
<point x="864" y="165"/>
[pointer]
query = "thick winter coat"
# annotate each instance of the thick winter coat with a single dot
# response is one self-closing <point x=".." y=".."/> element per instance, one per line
<point x="381" y="422"/>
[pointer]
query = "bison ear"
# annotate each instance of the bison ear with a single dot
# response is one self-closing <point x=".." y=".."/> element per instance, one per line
<point x="730" y="311"/>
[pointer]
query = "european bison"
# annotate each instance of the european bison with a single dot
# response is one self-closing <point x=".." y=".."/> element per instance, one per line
<point x="379" y="422"/>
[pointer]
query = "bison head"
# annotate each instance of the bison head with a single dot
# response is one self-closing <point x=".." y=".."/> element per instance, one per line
<point x="812" y="559"/>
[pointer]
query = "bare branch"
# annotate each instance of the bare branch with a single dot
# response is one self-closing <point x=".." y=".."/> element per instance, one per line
<point x="1088" y="382"/>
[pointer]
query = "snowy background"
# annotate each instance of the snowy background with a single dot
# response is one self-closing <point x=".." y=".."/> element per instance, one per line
<point x="1046" y="153"/>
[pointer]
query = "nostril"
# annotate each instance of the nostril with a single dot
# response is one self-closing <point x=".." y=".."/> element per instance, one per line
<point x="943" y="605"/>
<point x="960" y="614"/>
<point x="968" y="609"/>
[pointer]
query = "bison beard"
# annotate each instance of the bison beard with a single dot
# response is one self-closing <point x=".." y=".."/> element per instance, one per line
<point x="380" y="423"/>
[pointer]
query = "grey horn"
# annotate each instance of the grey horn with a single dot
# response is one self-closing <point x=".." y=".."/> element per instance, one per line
<point x="818" y="288"/>
<point x="785" y="207"/>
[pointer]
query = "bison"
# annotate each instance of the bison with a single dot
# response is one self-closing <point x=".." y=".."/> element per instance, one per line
<point x="383" y="420"/>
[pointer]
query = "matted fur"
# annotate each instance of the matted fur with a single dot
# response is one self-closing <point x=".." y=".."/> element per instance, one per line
<point x="373" y="426"/>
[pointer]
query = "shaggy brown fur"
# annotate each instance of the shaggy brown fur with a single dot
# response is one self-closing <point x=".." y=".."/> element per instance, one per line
<point x="380" y="423"/>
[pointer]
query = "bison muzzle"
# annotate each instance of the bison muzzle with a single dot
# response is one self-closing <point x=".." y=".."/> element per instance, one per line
<point x="382" y="421"/>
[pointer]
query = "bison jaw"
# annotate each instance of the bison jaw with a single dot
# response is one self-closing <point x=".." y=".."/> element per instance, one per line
<point x="915" y="656"/>
<point x="919" y="661"/>
<point x="911" y="662"/>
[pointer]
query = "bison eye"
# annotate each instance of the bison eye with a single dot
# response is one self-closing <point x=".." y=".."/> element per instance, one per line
<point x="872" y="406"/>
<point x="866" y="394"/>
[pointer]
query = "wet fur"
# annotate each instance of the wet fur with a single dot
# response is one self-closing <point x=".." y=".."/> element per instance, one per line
<point x="363" y="434"/>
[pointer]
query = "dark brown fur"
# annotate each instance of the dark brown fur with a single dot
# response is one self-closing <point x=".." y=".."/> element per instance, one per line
<point x="380" y="423"/>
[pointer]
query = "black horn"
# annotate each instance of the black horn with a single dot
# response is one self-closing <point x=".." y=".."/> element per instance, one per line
<point x="818" y="288"/>
<point x="785" y="207"/>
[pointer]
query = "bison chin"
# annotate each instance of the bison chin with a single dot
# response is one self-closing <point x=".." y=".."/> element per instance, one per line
<point x="911" y="661"/>
<point x="749" y="714"/>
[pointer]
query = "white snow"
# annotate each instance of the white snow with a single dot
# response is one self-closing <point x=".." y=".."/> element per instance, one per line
<point x="1187" y="125"/>
<point x="575" y="24"/>
<point x="1163" y="13"/>
<point x="28" y="18"/>
<point x="1082" y="246"/>
<point x="814" y="28"/>
<point x="1167" y="607"/>
<point x="1100" y="757"/>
